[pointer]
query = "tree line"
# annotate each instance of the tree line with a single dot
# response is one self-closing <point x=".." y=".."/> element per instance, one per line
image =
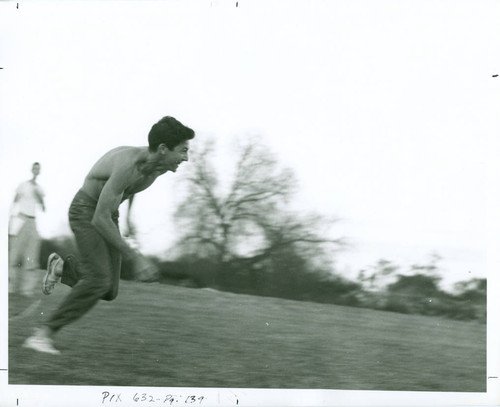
<point x="244" y="237"/>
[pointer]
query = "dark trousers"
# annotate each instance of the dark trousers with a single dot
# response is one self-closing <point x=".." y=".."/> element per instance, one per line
<point x="95" y="274"/>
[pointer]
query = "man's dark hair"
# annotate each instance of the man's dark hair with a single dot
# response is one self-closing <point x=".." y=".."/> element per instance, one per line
<point x="170" y="132"/>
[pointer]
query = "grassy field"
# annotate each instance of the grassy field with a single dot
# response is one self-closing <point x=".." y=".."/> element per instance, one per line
<point x="166" y="336"/>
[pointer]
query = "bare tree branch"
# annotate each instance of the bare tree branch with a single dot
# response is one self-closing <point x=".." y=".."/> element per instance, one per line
<point x="255" y="204"/>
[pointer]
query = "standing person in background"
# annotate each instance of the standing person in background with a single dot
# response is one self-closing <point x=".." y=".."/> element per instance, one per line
<point x="93" y="216"/>
<point x="24" y="240"/>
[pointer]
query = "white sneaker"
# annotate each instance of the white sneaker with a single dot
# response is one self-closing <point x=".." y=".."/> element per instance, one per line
<point x="54" y="273"/>
<point x="40" y="343"/>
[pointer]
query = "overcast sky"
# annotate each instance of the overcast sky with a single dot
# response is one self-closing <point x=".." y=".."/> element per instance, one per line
<point x="386" y="111"/>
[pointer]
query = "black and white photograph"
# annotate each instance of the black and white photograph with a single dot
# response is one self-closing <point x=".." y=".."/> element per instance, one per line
<point x="255" y="203"/>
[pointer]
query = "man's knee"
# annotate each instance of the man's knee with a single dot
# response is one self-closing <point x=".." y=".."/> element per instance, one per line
<point x="97" y="278"/>
<point x="111" y="294"/>
<point x="105" y="288"/>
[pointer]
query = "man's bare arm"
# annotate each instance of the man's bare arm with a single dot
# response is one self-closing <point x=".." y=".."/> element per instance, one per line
<point x="109" y="201"/>
<point x="130" y="232"/>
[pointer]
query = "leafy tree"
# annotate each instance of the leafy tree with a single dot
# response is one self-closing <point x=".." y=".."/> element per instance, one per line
<point x="418" y="285"/>
<point x="472" y="290"/>
<point x="430" y="269"/>
<point x="381" y="270"/>
<point x="423" y="281"/>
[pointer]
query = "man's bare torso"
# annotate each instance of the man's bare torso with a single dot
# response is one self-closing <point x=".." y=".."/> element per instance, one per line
<point x="123" y="162"/>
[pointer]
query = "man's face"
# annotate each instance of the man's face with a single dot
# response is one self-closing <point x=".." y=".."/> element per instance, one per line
<point x="173" y="158"/>
<point x="35" y="169"/>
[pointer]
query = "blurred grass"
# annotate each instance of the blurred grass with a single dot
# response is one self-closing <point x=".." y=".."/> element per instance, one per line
<point x="168" y="336"/>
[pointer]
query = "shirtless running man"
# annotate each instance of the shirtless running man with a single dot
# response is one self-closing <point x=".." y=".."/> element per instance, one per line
<point x="93" y="217"/>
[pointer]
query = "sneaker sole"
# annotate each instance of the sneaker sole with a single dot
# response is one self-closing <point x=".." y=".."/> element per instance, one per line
<point x="52" y="258"/>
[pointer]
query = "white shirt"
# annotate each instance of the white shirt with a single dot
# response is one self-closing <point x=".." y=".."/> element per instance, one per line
<point x="28" y="193"/>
